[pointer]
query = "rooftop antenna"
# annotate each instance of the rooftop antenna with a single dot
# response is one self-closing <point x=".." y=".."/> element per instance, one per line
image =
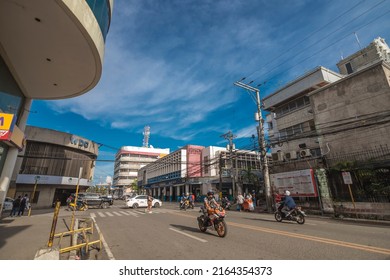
<point x="357" y="40"/>
<point x="146" y="134"/>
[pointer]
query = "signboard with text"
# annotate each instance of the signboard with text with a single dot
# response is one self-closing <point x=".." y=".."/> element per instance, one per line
<point x="299" y="183"/>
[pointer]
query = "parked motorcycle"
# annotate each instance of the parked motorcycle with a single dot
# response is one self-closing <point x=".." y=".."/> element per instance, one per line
<point x="296" y="215"/>
<point x="217" y="221"/>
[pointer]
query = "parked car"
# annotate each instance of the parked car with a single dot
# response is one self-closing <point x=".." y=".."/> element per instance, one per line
<point x="142" y="201"/>
<point x="8" y="204"/>
<point x="95" y="200"/>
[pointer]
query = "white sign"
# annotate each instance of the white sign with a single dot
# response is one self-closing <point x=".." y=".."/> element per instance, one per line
<point x="298" y="183"/>
<point x="347" y="178"/>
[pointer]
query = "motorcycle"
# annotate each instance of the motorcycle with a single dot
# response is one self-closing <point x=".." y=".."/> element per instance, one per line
<point x="216" y="221"/>
<point x="186" y="204"/>
<point x="81" y="206"/>
<point x="296" y="215"/>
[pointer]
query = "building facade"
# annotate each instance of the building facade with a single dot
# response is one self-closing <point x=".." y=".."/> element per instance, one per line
<point x="48" y="50"/>
<point x="337" y="126"/>
<point x="197" y="169"/>
<point x="51" y="166"/>
<point x="130" y="159"/>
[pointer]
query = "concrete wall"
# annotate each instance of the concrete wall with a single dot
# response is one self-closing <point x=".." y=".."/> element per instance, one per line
<point x="352" y="114"/>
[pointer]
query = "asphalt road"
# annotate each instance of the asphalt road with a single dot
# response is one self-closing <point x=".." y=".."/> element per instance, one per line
<point x="172" y="234"/>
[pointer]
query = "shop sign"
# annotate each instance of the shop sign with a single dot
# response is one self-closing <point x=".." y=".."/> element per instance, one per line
<point x="7" y="122"/>
<point x="79" y="142"/>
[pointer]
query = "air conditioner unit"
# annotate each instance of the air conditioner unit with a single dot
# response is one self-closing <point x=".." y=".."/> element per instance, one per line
<point x="279" y="156"/>
<point x="291" y="155"/>
<point x="305" y="153"/>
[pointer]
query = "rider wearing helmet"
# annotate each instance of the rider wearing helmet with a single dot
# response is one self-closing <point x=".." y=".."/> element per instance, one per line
<point x="210" y="203"/>
<point x="289" y="203"/>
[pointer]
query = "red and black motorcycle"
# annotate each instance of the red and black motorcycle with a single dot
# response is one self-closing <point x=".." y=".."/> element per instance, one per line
<point x="216" y="221"/>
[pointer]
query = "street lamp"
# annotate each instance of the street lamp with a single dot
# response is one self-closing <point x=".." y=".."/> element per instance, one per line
<point x="33" y="194"/>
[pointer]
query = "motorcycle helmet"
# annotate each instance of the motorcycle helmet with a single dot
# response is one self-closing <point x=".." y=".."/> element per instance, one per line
<point x="287" y="193"/>
<point x="187" y="194"/>
<point x="210" y="192"/>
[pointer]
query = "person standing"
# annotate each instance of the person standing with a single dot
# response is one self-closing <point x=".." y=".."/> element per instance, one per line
<point x="150" y="201"/>
<point x="23" y="205"/>
<point x="15" y="206"/>
<point x="254" y="199"/>
<point x="240" y="201"/>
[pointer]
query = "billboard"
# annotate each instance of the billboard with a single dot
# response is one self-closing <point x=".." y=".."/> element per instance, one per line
<point x="299" y="183"/>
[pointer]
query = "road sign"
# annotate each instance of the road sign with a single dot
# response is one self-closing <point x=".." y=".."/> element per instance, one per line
<point x="347" y="178"/>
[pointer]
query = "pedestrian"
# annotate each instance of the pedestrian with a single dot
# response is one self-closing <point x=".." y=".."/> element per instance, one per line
<point x="240" y="201"/>
<point x="150" y="201"/>
<point x="277" y="200"/>
<point x="23" y="205"/>
<point x="15" y="206"/>
<point x="254" y="198"/>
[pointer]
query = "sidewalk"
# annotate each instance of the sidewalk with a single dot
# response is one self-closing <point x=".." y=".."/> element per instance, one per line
<point x="22" y="237"/>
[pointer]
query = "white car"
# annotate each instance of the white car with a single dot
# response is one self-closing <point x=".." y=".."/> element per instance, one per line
<point x="8" y="204"/>
<point x="142" y="201"/>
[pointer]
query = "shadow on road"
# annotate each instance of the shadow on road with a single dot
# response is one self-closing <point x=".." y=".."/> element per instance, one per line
<point x="190" y="229"/>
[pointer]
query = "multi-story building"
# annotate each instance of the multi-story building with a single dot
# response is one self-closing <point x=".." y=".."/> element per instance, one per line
<point x="291" y="118"/>
<point x="129" y="159"/>
<point x="52" y="165"/>
<point x="175" y="174"/>
<point x="324" y="124"/>
<point x="197" y="169"/>
<point x="48" y="50"/>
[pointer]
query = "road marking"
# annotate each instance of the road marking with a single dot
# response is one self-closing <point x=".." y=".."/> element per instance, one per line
<point x="124" y="213"/>
<point x="118" y="214"/>
<point x="188" y="235"/>
<point x="105" y="245"/>
<point x="134" y="214"/>
<point x="315" y="239"/>
<point x="93" y="215"/>
<point x="101" y="214"/>
<point x="108" y="214"/>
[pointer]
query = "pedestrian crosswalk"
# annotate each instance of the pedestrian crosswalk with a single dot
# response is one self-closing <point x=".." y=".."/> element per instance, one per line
<point x="122" y="212"/>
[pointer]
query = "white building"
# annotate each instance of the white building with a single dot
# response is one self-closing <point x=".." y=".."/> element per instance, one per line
<point x="129" y="159"/>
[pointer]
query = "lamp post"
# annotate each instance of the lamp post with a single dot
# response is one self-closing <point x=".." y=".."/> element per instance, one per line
<point x="261" y="138"/>
<point x="33" y="194"/>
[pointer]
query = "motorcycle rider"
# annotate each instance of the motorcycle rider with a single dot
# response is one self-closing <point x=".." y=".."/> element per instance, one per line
<point x="288" y="204"/>
<point x="184" y="198"/>
<point x="210" y="204"/>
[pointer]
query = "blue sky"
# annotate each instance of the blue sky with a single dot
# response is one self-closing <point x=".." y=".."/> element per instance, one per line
<point x="171" y="65"/>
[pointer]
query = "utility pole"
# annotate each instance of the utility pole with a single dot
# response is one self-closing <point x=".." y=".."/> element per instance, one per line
<point x="229" y="136"/>
<point x="262" y="146"/>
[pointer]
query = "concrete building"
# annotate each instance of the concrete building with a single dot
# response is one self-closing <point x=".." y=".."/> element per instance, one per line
<point x="51" y="164"/>
<point x="377" y="51"/>
<point x="48" y="50"/>
<point x="197" y="169"/>
<point x="291" y="116"/>
<point x="324" y="124"/>
<point x="130" y="159"/>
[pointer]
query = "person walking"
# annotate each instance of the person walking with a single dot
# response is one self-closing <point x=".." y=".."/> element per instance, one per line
<point x="23" y="205"/>
<point x="15" y="206"/>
